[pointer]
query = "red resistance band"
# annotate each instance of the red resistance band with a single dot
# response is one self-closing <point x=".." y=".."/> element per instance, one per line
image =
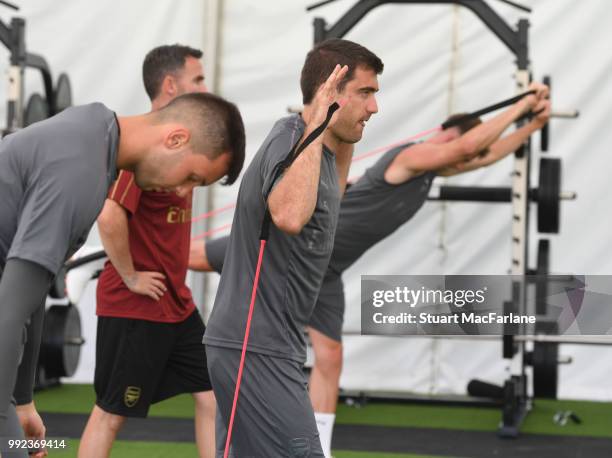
<point x="263" y="238"/>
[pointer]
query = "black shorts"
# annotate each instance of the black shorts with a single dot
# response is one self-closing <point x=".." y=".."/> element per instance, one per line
<point x="139" y="363"/>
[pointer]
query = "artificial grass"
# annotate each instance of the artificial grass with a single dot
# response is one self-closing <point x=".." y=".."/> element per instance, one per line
<point x="75" y="398"/>
<point x="595" y="416"/>
<point x="134" y="449"/>
<point x="138" y="449"/>
<point x="68" y="398"/>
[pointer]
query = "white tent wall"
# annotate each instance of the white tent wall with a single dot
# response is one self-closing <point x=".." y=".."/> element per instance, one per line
<point x="422" y="81"/>
<point x="262" y="47"/>
<point x="101" y="46"/>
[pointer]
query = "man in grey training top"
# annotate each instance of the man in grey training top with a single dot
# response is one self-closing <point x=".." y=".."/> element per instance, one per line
<point x="54" y="178"/>
<point x="274" y="416"/>
<point x="387" y="196"/>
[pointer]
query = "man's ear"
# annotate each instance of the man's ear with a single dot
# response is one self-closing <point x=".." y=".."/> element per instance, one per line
<point x="177" y="138"/>
<point x="168" y="86"/>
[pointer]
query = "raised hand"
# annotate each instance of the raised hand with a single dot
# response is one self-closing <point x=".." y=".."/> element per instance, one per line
<point x="326" y="95"/>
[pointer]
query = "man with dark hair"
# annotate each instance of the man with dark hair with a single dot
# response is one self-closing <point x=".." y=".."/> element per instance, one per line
<point x="54" y="178"/>
<point x="274" y="416"/>
<point x="321" y="60"/>
<point x="149" y="340"/>
<point x="172" y="70"/>
<point x="386" y="197"/>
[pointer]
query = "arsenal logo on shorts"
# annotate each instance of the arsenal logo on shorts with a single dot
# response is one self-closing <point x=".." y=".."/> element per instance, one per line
<point x="131" y="396"/>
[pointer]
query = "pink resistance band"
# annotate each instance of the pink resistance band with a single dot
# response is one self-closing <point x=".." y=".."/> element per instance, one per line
<point x="445" y="125"/>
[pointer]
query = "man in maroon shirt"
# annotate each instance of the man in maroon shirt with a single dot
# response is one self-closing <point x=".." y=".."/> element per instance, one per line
<point x="149" y="338"/>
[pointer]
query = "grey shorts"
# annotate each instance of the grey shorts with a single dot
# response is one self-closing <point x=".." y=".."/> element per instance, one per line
<point x="328" y="314"/>
<point x="274" y="416"/>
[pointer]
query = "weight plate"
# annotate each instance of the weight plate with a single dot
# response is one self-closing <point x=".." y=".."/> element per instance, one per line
<point x="549" y="205"/>
<point x="545" y="369"/>
<point x="63" y="93"/>
<point x="542" y="271"/>
<point x="36" y="110"/>
<point x="61" y="341"/>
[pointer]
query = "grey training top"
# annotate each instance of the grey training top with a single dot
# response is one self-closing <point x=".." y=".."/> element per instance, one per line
<point x="372" y="209"/>
<point x="54" y="177"/>
<point x="293" y="266"/>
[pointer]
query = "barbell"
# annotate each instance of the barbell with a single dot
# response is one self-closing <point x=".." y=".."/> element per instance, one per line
<point x="547" y="195"/>
<point x="545" y="131"/>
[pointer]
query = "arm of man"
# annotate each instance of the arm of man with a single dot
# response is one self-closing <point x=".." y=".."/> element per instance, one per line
<point x="197" y="257"/>
<point x="293" y="199"/>
<point x="29" y="361"/>
<point x="435" y="156"/>
<point x="23" y="288"/>
<point x="208" y="256"/>
<point x="504" y="146"/>
<point x="29" y="419"/>
<point x="113" y="229"/>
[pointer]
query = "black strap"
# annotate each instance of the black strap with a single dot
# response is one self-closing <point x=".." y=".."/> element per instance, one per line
<point x="478" y="113"/>
<point x="285" y="163"/>
<point x="529" y="116"/>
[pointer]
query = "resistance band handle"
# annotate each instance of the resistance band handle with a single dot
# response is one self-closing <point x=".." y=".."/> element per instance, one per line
<point x="285" y="163"/>
<point x="476" y="114"/>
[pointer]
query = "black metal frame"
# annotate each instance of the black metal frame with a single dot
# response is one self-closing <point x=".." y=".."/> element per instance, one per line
<point x="13" y="37"/>
<point x="516" y="399"/>
<point x="513" y="39"/>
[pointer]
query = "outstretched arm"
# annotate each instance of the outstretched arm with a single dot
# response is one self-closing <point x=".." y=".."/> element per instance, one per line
<point x="197" y="257"/>
<point x="504" y="146"/>
<point x="429" y="156"/>
<point x="208" y="256"/>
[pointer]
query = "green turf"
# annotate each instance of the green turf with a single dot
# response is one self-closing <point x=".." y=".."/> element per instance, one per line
<point x="73" y="398"/>
<point x="595" y="415"/>
<point x="69" y="398"/>
<point x="136" y="449"/>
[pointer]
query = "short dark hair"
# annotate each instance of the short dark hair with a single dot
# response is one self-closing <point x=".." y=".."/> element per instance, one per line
<point x="466" y="125"/>
<point x="164" y="60"/>
<point x="324" y="57"/>
<point x="215" y="124"/>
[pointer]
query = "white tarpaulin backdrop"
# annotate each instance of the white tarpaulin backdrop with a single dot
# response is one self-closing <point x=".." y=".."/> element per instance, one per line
<point x="438" y="59"/>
